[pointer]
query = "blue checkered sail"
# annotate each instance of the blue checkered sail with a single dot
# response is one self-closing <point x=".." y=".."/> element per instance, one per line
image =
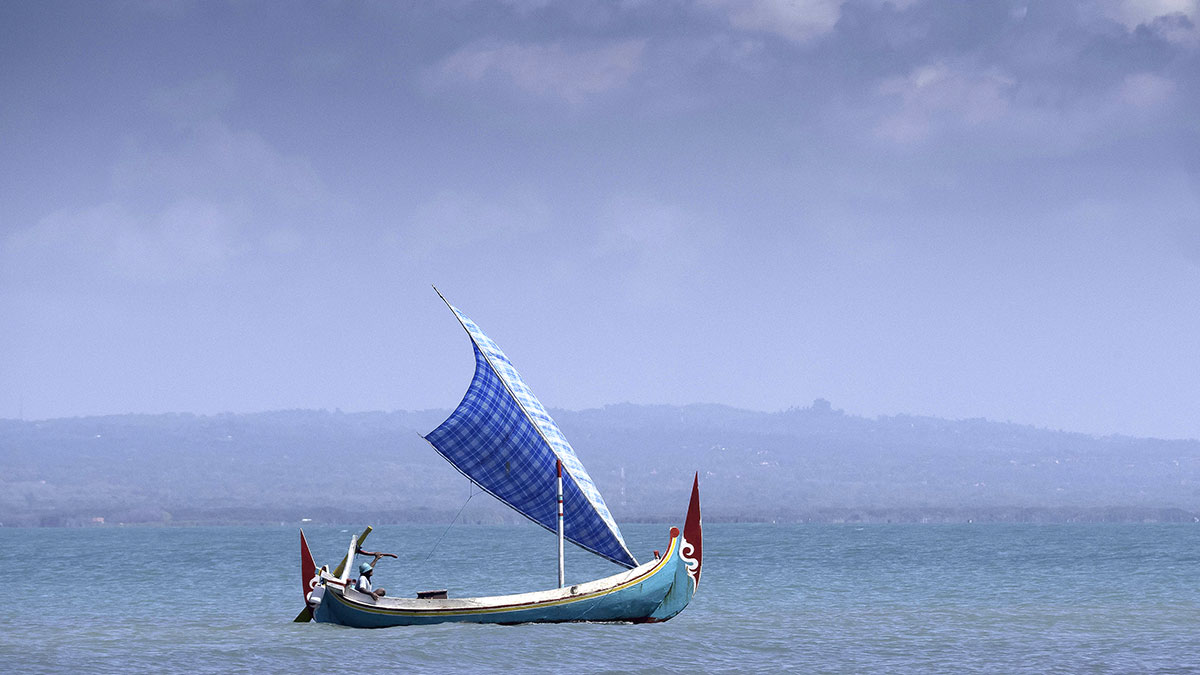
<point x="502" y="438"/>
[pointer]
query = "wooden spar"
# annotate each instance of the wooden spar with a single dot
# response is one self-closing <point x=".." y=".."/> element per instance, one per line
<point x="561" y="570"/>
<point x="362" y="538"/>
<point x="349" y="559"/>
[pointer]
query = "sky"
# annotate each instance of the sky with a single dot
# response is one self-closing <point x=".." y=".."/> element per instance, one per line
<point x="958" y="209"/>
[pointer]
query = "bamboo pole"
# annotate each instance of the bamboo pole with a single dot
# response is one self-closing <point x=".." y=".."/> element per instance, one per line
<point x="561" y="570"/>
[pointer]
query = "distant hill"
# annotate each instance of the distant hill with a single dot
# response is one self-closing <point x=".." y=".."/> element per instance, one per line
<point x="803" y="464"/>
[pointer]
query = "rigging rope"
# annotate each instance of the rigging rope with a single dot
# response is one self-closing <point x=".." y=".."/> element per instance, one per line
<point x="471" y="493"/>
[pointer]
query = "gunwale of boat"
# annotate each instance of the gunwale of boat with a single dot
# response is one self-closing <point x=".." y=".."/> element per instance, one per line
<point x="513" y="602"/>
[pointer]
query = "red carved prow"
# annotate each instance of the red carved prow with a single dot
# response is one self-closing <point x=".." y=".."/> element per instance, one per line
<point x="692" y="532"/>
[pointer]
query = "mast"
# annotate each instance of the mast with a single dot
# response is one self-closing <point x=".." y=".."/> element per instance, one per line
<point x="561" y="571"/>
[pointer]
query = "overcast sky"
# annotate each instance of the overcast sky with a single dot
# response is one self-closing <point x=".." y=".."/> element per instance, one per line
<point x="960" y="209"/>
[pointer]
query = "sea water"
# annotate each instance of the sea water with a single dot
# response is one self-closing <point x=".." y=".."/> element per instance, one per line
<point x="798" y="598"/>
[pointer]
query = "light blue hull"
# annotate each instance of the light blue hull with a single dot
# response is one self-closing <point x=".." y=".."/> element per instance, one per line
<point x="652" y="592"/>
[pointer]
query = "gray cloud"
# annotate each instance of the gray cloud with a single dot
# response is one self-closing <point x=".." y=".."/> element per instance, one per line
<point x="796" y="20"/>
<point x="194" y="103"/>
<point x="184" y="239"/>
<point x="451" y="221"/>
<point x="180" y="206"/>
<point x="954" y="208"/>
<point x="571" y="73"/>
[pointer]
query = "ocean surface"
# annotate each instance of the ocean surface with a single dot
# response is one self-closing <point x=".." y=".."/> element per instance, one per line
<point x="799" y="598"/>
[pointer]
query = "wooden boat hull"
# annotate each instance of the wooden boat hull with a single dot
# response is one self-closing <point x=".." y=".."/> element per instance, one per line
<point x="653" y="592"/>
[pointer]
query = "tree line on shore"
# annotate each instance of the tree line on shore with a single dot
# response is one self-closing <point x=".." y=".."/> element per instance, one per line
<point x="809" y="464"/>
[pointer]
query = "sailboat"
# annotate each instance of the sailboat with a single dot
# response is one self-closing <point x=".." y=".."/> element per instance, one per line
<point x="503" y="440"/>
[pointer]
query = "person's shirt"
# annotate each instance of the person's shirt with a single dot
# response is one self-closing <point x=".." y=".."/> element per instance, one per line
<point x="364" y="584"/>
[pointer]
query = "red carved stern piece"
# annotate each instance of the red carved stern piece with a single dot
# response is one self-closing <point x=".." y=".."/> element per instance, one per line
<point x="308" y="568"/>
<point x="691" y="549"/>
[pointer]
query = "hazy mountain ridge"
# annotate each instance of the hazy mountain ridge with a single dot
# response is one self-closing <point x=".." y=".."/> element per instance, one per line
<point x="813" y="463"/>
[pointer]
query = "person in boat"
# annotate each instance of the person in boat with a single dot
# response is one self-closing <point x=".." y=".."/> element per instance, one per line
<point x="366" y="571"/>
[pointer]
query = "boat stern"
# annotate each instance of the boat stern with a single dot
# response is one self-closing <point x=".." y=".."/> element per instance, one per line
<point x="689" y="550"/>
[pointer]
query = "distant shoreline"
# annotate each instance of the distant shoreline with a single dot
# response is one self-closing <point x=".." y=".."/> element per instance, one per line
<point x="830" y="516"/>
<point x="804" y="465"/>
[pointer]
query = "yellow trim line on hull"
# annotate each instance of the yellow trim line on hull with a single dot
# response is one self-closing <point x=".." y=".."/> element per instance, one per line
<point x="511" y="608"/>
